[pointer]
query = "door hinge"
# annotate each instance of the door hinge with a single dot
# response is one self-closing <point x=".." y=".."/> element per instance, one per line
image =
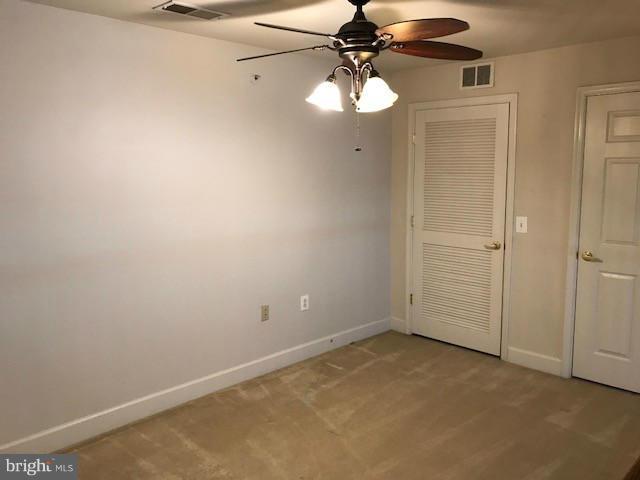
<point x="413" y="139"/>
<point x="411" y="299"/>
<point x="413" y="223"/>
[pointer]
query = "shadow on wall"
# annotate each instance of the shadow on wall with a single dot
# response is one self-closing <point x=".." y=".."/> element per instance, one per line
<point x="258" y="7"/>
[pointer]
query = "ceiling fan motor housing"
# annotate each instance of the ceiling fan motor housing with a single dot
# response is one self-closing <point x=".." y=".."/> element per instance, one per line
<point x="359" y="37"/>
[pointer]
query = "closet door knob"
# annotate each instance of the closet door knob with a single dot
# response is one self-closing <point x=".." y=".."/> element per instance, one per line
<point x="588" y="256"/>
<point x="493" y="245"/>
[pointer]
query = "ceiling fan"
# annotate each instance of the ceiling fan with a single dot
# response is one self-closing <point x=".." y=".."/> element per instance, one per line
<point x="359" y="41"/>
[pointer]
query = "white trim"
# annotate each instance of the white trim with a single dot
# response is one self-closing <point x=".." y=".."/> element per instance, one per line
<point x="512" y="100"/>
<point x="408" y="281"/>
<point x="83" y="428"/>
<point x="536" y="361"/>
<point x="509" y="227"/>
<point x="398" y="324"/>
<point x="574" y="214"/>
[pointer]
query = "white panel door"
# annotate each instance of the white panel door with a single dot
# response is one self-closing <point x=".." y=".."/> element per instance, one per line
<point x="459" y="214"/>
<point x="607" y="332"/>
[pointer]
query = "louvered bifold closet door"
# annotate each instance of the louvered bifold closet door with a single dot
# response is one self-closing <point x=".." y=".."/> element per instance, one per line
<point x="459" y="214"/>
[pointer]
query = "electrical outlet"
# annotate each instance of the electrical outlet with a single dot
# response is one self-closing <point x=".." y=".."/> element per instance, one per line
<point x="304" y="303"/>
<point x="521" y="224"/>
<point x="264" y="313"/>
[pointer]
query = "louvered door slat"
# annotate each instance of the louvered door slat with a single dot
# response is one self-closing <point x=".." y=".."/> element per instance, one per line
<point x="460" y="179"/>
<point x="441" y="171"/>
<point x="445" y="297"/>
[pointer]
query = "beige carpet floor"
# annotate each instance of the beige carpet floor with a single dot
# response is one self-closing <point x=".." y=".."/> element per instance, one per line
<point x="390" y="407"/>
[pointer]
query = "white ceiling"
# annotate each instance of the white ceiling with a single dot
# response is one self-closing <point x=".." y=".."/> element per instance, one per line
<point x="498" y="27"/>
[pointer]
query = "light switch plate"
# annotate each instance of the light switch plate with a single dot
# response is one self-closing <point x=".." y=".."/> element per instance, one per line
<point x="521" y="224"/>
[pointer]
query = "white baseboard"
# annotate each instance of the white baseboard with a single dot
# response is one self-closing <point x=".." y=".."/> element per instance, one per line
<point x="87" y="427"/>
<point x="399" y="325"/>
<point x="534" y="360"/>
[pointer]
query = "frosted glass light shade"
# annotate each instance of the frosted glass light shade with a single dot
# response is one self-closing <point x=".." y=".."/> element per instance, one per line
<point x="376" y="96"/>
<point x="326" y="96"/>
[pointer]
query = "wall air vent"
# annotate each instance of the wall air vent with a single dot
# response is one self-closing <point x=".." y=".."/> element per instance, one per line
<point x="479" y="75"/>
<point x="190" y="10"/>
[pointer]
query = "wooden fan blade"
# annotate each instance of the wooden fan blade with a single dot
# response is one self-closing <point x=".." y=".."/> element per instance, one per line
<point x="423" y="29"/>
<point x="441" y="50"/>
<point x="290" y="29"/>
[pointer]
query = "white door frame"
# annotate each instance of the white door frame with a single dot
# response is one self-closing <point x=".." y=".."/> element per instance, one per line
<point x="574" y="215"/>
<point x="512" y="100"/>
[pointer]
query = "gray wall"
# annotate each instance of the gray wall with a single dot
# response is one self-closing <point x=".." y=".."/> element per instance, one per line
<point x="152" y="197"/>
<point x="546" y="82"/>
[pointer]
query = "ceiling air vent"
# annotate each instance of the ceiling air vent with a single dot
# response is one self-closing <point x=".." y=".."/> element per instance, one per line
<point x="190" y="10"/>
<point x="479" y="75"/>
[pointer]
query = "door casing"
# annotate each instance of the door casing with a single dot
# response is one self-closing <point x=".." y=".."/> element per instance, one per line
<point x="512" y="100"/>
<point x="571" y="283"/>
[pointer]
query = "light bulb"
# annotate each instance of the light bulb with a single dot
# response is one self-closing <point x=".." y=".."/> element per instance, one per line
<point x="327" y="95"/>
<point x="376" y="95"/>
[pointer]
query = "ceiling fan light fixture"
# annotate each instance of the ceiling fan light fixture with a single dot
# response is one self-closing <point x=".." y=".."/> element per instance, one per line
<point x="359" y="41"/>
<point x="327" y="95"/>
<point x="376" y="95"/>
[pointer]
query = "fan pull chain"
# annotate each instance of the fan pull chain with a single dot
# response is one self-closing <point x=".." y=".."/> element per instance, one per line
<point x="358" y="147"/>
